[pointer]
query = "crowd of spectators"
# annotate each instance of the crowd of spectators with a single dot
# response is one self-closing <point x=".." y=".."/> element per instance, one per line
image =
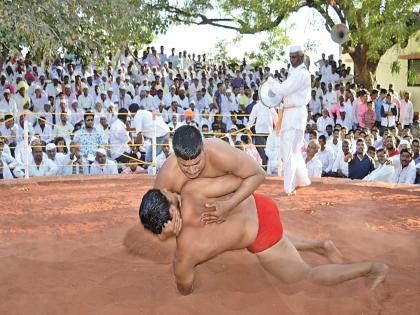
<point x="101" y="120"/>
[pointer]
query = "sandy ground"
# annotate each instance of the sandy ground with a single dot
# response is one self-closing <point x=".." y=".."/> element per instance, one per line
<point x="62" y="252"/>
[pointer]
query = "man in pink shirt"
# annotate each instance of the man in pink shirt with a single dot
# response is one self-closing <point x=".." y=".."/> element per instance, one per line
<point x="335" y="110"/>
<point x="134" y="167"/>
<point x="361" y="108"/>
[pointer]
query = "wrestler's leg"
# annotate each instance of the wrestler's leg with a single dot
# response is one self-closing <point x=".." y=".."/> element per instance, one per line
<point x="284" y="262"/>
<point x="322" y="247"/>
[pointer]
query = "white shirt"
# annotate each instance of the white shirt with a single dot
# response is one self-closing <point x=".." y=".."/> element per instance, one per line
<point x="336" y="148"/>
<point x="296" y="91"/>
<point x="327" y="159"/>
<point x="118" y="139"/>
<point x="110" y="168"/>
<point x="330" y="99"/>
<point x="86" y="102"/>
<point x="10" y="165"/>
<point x="406" y="112"/>
<point x="322" y="124"/>
<point x="314" y="166"/>
<point x="46" y="168"/>
<point x="339" y="164"/>
<point x="143" y="122"/>
<point x="383" y="173"/>
<point x="406" y="175"/>
<point x="263" y="117"/>
<point x="8" y="107"/>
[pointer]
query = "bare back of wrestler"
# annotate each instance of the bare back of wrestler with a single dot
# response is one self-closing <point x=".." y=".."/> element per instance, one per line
<point x="197" y="243"/>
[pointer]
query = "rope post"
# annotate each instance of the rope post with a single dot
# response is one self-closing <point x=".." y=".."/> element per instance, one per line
<point x="26" y="139"/>
<point x="154" y="144"/>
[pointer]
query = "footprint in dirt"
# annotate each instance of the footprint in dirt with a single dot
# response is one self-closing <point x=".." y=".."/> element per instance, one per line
<point x="144" y="244"/>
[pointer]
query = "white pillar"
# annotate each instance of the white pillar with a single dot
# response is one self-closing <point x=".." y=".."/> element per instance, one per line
<point x="26" y="139"/>
<point x="154" y="145"/>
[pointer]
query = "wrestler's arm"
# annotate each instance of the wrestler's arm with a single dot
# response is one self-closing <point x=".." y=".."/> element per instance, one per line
<point x="184" y="275"/>
<point x="211" y="187"/>
<point x="235" y="162"/>
<point x="165" y="178"/>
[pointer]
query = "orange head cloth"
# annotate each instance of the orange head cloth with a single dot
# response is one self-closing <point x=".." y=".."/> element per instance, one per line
<point x="189" y="115"/>
<point x="279" y="121"/>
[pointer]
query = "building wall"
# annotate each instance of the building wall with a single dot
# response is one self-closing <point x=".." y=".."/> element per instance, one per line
<point x="384" y="77"/>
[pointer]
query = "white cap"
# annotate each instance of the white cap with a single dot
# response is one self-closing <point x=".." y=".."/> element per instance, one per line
<point x="295" y="49"/>
<point x="74" y="101"/>
<point x="37" y="87"/>
<point x="50" y="147"/>
<point x="6" y="91"/>
<point x="402" y="142"/>
<point x="122" y="87"/>
<point x="101" y="151"/>
<point x="110" y="89"/>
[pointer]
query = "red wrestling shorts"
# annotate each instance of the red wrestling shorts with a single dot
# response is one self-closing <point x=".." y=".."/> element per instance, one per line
<point x="270" y="229"/>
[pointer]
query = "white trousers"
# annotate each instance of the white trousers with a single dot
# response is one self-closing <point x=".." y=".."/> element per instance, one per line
<point x="294" y="167"/>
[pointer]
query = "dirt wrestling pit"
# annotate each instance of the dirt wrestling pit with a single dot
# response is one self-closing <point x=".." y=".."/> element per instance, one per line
<point x="75" y="246"/>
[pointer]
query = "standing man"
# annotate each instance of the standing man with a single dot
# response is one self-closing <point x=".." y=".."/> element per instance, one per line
<point x="296" y="91"/>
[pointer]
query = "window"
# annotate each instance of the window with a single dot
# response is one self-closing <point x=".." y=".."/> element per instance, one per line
<point x="413" y="73"/>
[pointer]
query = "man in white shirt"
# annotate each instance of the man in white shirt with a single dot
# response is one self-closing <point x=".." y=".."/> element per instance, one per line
<point x="341" y="167"/>
<point x="40" y="164"/>
<point x="335" y="143"/>
<point x="86" y="101"/>
<point x="330" y="98"/>
<point x="143" y="122"/>
<point x="313" y="163"/>
<point x="102" y="165"/>
<point x="406" y="111"/>
<point x="326" y="156"/>
<point x="119" y="138"/>
<point x="323" y="121"/>
<point x="296" y="90"/>
<point x="406" y="172"/>
<point x="264" y="119"/>
<point x="384" y="172"/>
<point x="8" y="104"/>
<point x="8" y="165"/>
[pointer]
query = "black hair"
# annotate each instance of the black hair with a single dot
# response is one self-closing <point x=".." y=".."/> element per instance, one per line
<point x="88" y="114"/>
<point x="322" y="137"/>
<point x="187" y="142"/>
<point x="407" y="150"/>
<point x="154" y="211"/>
<point x="122" y="114"/>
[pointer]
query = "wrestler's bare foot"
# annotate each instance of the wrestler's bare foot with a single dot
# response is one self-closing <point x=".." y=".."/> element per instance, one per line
<point x="376" y="275"/>
<point x="332" y="253"/>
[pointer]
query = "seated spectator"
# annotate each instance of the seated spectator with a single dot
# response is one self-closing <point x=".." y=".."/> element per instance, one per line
<point x="340" y="167"/>
<point x="102" y="165"/>
<point x="9" y="167"/>
<point x="250" y="148"/>
<point x="384" y="172"/>
<point x="313" y="163"/>
<point x="326" y="156"/>
<point x="133" y="166"/>
<point x="40" y="164"/>
<point x="406" y="172"/>
<point x="360" y="164"/>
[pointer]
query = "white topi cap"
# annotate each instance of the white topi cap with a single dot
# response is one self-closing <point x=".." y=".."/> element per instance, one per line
<point x="101" y="151"/>
<point x="295" y="49"/>
<point x="50" y="147"/>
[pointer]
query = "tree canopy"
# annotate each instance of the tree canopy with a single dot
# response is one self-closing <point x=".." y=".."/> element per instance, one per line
<point x="84" y="27"/>
<point x="375" y="25"/>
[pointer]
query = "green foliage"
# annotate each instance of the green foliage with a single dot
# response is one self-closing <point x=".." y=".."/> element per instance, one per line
<point x="84" y="27"/>
<point x="396" y="67"/>
<point x="272" y="49"/>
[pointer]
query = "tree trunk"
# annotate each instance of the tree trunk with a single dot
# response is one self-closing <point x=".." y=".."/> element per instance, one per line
<point x="365" y="69"/>
<point x="3" y="56"/>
